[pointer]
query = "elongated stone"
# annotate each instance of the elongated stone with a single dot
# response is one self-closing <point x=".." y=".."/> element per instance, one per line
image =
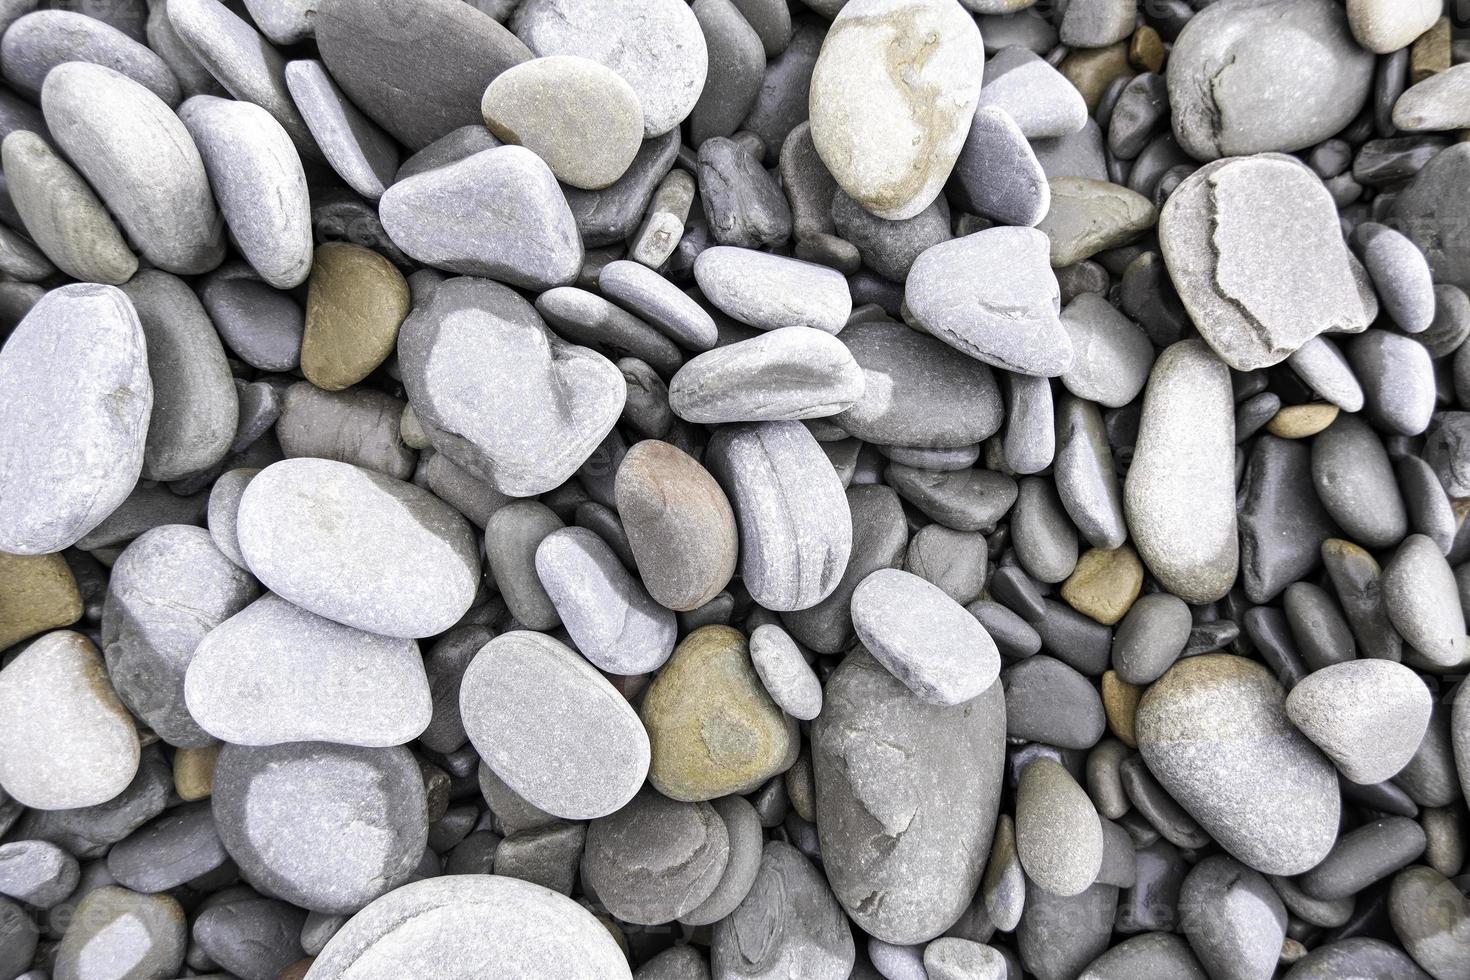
<point x="38" y="42"/>
<point x="789" y="373"/>
<point x="362" y="154"/>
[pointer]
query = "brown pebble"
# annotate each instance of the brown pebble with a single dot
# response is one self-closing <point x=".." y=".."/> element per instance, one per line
<point x="297" y="970"/>
<point x="1120" y="704"/>
<point x="1092" y="70"/>
<point x="37" y="593"/>
<point x="1431" y="53"/>
<point x="1302" y="421"/>
<point x="1146" y="50"/>
<point x="194" y="772"/>
<point x="355" y="302"/>
<point x="1104" y="583"/>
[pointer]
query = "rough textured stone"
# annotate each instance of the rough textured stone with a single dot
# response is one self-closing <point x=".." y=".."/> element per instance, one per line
<point x="655" y="859"/>
<point x="1090" y="216"/>
<point x="788" y="925"/>
<point x="1059" y="837"/>
<point x="1233" y="920"/>
<point x="1422" y="601"/>
<point x="789" y="373"/>
<point x="37" y="593"/>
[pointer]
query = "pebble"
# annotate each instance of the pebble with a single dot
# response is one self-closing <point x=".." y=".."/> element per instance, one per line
<point x="1150" y="954"/>
<point x="1372" y="959"/>
<point x="244" y="684"/>
<point x="179" y="846"/>
<point x="1179" y="495"/>
<point x="587" y="318"/>
<point x="713" y="728"/>
<point x="1397" y="376"/>
<point x="38" y="873"/>
<point x="1432" y="919"/>
<point x="1150" y="637"/>
<point x="357" y="426"/>
<point x="787" y="677"/>
<point x="1422" y="601"/>
<point x="1044" y="539"/>
<point x="771" y="291"/>
<point x="1058" y="835"/>
<point x="1008" y="316"/>
<point x="1233" y="919"/>
<point x="1214" y="731"/>
<point x="736" y="67"/>
<point x="1436" y="103"/>
<point x="559" y="400"/>
<point x="1090" y="216"/>
<point x="1282" y="522"/>
<point x="1048" y="701"/>
<point x="1356" y="483"/>
<point x="69" y="742"/>
<point x="1058" y="936"/>
<point x="1084" y="474"/>
<point x="1113" y="354"/>
<point x="356" y="302"/>
<point x="1363" y="856"/>
<point x="261" y="326"/>
<point x="964" y="500"/>
<point x="789" y="924"/>
<point x="997" y="173"/>
<point x="1235" y="87"/>
<point x="576" y="114"/>
<point x="581" y="753"/>
<point x="37" y="42"/>
<point x="1034" y="94"/>
<point x="325" y="827"/>
<point x="512" y="535"/>
<point x="787" y="373"/>
<point x="364" y="156"/>
<point x="925" y="638"/>
<point x="1104" y="584"/>
<point x="889" y="845"/>
<point x="1401" y="275"/>
<point x="37" y="593"/>
<point x="655" y="859"/>
<point x="742" y="201"/>
<point x="1383" y="27"/>
<point x="890" y="140"/>
<point x="793" y="555"/>
<point x="656" y="48"/>
<point x="1429" y="202"/>
<point x="115" y="925"/>
<point x="610" y="617"/>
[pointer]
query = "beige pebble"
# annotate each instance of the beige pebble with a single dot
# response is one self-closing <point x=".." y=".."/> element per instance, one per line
<point x="356" y="300"/>
<point x="37" y="593"/>
<point x="1302" y="421"/>
<point x="194" y="772"/>
<point x="1120" y="704"/>
<point x="1104" y="583"/>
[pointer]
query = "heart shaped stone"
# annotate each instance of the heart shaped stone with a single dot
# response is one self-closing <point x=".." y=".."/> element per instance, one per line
<point x="500" y="394"/>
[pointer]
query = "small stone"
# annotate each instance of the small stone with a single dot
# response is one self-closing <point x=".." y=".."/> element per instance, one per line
<point x="713" y="728"/>
<point x="1085" y="476"/>
<point x="787" y="925"/>
<point x="1302" y="421"/>
<point x="771" y="291"/>
<point x="1120" y="705"/>
<point x="1364" y="856"/>
<point x="579" y="116"/>
<point x="1151" y="637"/>
<point x="1232" y="918"/>
<point x="37" y="42"/>
<point x="1236" y="88"/>
<point x="611" y="619"/>
<point x="891" y="144"/>
<point x="1179" y="494"/>
<point x="1214" y="731"/>
<point x="997" y="174"/>
<point x="1432" y="201"/>
<point x="37" y="593"/>
<point x="1033" y="93"/>
<point x="783" y="670"/>
<point x="261" y="325"/>
<point x="1113" y="354"/>
<point x="1007" y="315"/>
<point x="1141" y="110"/>
<point x="1104" y="584"/>
<point x="1397" y="376"/>
<point x="742" y="201"/>
<point x="364" y="156"/>
<point x="276" y="673"/>
<point x="179" y="846"/>
<point x="587" y="318"/>
<point x="259" y="183"/>
<point x="1384" y="27"/>
<point x="194" y="772"/>
<point x="656" y="860"/>
<point x="1058" y="937"/>
<point x="325" y="827"/>
<point x="1422" y="601"/>
<point x="1282" y="521"/>
<point x="355" y="303"/>
<point x="37" y="872"/>
<point x="113" y="925"/>
<point x="1095" y="71"/>
<point x="475" y="217"/>
<point x="1058" y="835"/>
<point x="950" y="660"/>
<point x="1048" y="701"/>
<point x="788" y="373"/>
<point x="512" y="535"/>
<point x="1090" y="216"/>
<point x="1400" y="273"/>
<point x="358" y="426"/>
<point x="736" y="68"/>
<point x="890" y="247"/>
<point x="552" y="727"/>
<point x="1356" y="483"/>
<point x="68" y="741"/>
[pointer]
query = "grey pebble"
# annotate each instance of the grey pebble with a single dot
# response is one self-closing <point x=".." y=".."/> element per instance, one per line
<point x="789" y="924"/>
<point x="1435" y="103"/>
<point x="1048" y="701"/>
<point x="771" y="291"/>
<point x="512" y="536"/>
<point x="1079" y="154"/>
<point x="887" y="247"/>
<point x="1152" y="904"/>
<point x="1359" y="956"/>
<point x="1043" y="103"/>
<point x="1363" y="856"/>
<point x="998" y="174"/>
<point x="587" y="318"/>
<point x="1058" y="937"/>
<point x="1450" y="328"/>
<point x="89" y="831"/>
<point x="1151" y="637"/>
<point x="965" y="500"/>
<point x="785" y="673"/>
<point x="1368" y="716"/>
<point x="452" y="147"/>
<point x="1013" y="636"/>
<point x="358" y="426"/>
<point x="1356" y="484"/>
<point x="955" y="561"/>
<point x="1058" y="834"/>
<point x="1401" y="275"/>
<point x="1447" y="449"/>
<point x="788" y="373"/>
<point x="655" y="860"/>
<point x="245" y="683"/>
<point x="1232" y="918"/>
<point x="37" y="872"/>
<point x="547" y="856"/>
<point x="178" y="847"/>
<point x="428" y="216"/>
<point x="113" y="924"/>
<point x="148" y="506"/>
<point x="38" y="42"/>
<point x="1157" y="807"/>
<point x="1029" y="444"/>
<point x="610" y="617"/>
<point x="742" y="202"/>
<point x="1141" y="110"/>
<point x="1398" y="381"/>
<point x="1044" y="538"/>
<point x="1113" y="354"/>
<point x="685" y="962"/>
<point x="253" y="938"/>
<point x="1151" y="955"/>
<point x="364" y="156"/>
<point x="552" y="727"/>
<point x="1357" y="579"/>
<point x="1432" y="920"/>
<point x="612" y="214"/>
<point x="792" y="557"/>
<point x="224" y="506"/>
<point x="1318" y="626"/>
<point x="1282" y="522"/>
<point x="659" y="302"/>
<point x="1422" y="601"/>
<point x="260" y="325"/>
<point x="325" y="827"/>
<point x="1429" y="508"/>
<point x="1084" y="474"/>
<point x="744" y="836"/>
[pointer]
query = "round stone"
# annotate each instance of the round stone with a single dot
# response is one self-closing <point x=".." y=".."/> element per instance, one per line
<point x="1214" y="732"/>
<point x="68" y="741"/>
<point x="326" y="535"/>
<point x="1104" y="584"/>
<point x="356" y="300"/>
<point x="552" y="727"/>
<point x="276" y="673"/>
<point x="1232" y="918"/>
<point x="1059" y="837"/>
<point x="325" y="827"/>
<point x="788" y="678"/>
<point x="891" y="138"/>
<point x="579" y="116"/>
<point x="1368" y="716"/>
<point x="713" y="728"/>
<point x="655" y="859"/>
<point x="1422" y="600"/>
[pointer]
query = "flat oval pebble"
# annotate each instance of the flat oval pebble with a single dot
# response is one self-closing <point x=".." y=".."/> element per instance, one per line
<point x="442" y="923"/>
<point x="788" y="678"/>
<point x="745" y="839"/>
<point x="75" y="438"/>
<point x="38" y="42"/>
<point x="890" y="144"/>
<point x="356" y="302"/>
<point x="326" y="827"/>
<point x="658" y="301"/>
<point x="924" y="637"/>
<point x="1059" y="837"/>
<point x="1422" y="601"/>
<point x="1214" y="731"/>
<point x="607" y="613"/>
<point x="552" y="727"/>
<point x="1234" y="921"/>
<point x="246" y="683"/>
<point x="319" y="533"/>
<point x="771" y="291"/>
<point x="69" y="741"/>
<point x="787" y="373"/>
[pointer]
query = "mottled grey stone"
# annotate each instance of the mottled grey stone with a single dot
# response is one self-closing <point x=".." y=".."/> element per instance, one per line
<point x="362" y="154"/>
<point x="1431" y="918"/>
<point x="1355" y="482"/>
<point x="1282" y="523"/>
<point x="276" y="673"/>
<point x="1363" y="856"/>
<point x="772" y="291"/>
<point x="1059" y="936"/>
<point x="1152" y="955"/>
<point x="38" y="42"/>
<point x="1368" y="716"/>
<point x="325" y="827"/>
<point x="76" y="417"/>
<point x="177" y="847"/>
<point x="261" y="325"/>
<point x="552" y="402"/>
<point x="1059" y="837"/>
<point x="997" y="174"/>
<point x="655" y="859"/>
<point x="512" y="536"/>
<point x="892" y="806"/>
<point x="887" y="247"/>
<point x="250" y="937"/>
<point x="787" y="373"/>
<point x="358" y="426"/>
<point x="1151" y="637"/>
<point x="736" y="64"/>
<point x="552" y="727"/>
<point x="1232" y="918"/>
<point x="1359" y="956"/>
<point x="1397" y="376"/>
<point x="1423" y="602"/>
<point x="788" y="925"/>
<point x="1113" y="354"/>
<point x="743" y="204"/>
<point x="114" y="925"/>
<point x="785" y="673"/>
<point x="37" y="872"/>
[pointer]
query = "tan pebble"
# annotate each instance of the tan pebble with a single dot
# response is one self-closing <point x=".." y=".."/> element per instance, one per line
<point x="1431" y="53"/>
<point x="37" y="593"/>
<point x="1104" y="583"/>
<point x="801" y="787"/>
<point x="1092" y="70"/>
<point x="1120" y="704"/>
<point x="1302" y="421"/>
<point x="1146" y="50"/>
<point x="712" y="727"/>
<point x="194" y="772"/>
<point x="297" y="970"/>
<point x="355" y="302"/>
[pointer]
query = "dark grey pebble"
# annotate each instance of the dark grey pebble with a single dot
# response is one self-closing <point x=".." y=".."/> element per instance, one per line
<point x="1368" y="854"/>
<point x="1282" y="523"/>
<point x="1356" y="484"/>
<point x="1085" y="476"/>
<point x="174" y="849"/>
<point x="1150" y="637"/>
<point x="1232" y="918"/>
<point x="1048" y="701"/>
<point x="253" y="938"/>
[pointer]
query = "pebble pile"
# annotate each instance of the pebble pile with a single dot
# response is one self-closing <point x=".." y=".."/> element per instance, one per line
<point x="734" y="490"/>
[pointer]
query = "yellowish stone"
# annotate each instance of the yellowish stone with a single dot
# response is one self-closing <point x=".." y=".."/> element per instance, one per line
<point x="1092" y="70"/>
<point x="1431" y="53"/>
<point x="712" y="727"/>
<point x="1302" y="421"/>
<point x="1120" y="704"/>
<point x="37" y="593"/>
<point x="1104" y="583"/>
<point x="355" y="302"/>
<point x="1146" y="50"/>
<point x="194" y="772"/>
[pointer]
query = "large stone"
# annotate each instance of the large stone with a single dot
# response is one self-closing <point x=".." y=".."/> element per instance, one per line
<point x="1368" y="716"/>
<point x="113" y="925"/>
<point x="891" y="137"/>
<point x="75" y="417"/>
<point x="901" y="788"/>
